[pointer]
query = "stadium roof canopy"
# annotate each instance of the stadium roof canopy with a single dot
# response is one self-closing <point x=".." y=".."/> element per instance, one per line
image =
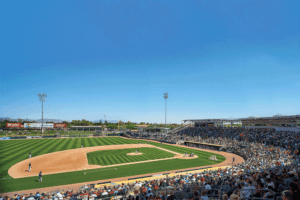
<point x="274" y="119"/>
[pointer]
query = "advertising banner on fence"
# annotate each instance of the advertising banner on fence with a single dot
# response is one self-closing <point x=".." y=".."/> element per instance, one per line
<point x="4" y="138"/>
<point x="13" y="125"/>
<point x="38" y="125"/>
<point x="30" y="137"/>
<point x="60" y="125"/>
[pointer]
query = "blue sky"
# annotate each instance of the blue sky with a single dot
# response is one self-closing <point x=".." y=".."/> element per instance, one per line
<point x="216" y="59"/>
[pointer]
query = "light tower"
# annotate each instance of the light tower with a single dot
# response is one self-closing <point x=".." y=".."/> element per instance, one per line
<point x="165" y="97"/>
<point x="42" y="99"/>
<point x="104" y="124"/>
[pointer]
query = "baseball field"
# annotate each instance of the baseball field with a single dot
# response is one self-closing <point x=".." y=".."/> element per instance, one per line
<point x="115" y="156"/>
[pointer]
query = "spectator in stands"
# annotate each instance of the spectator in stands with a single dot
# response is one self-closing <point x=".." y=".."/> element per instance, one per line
<point x="220" y="181"/>
<point x="231" y="189"/>
<point x="224" y="187"/>
<point x="288" y="180"/>
<point x="204" y="195"/>
<point x="286" y="195"/>
<point x="16" y="197"/>
<point x="196" y="196"/>
<point x="234" y="197"/>
<point x="249" y="190"/>
<point x="149" y="193"/>
<point x="259" y="192"/>
<point x="163" y="197"/>
<point x="172" y="196"/>
<point x="207" y="187"/>
<point x="269" y="193"/>
<point x="224" y="197"/>
<point x="295" y="191"/>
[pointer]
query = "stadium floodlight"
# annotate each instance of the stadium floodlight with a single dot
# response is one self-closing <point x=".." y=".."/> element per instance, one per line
<point x="104" y="123"/>
<point x="165" y="97"/>
<point x="42" y="99"/>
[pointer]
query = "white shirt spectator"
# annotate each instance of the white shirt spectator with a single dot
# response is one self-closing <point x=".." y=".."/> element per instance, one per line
<point x="271" y="184"/>
<point x="207" y="187"/>
<point x="204" y="198"/>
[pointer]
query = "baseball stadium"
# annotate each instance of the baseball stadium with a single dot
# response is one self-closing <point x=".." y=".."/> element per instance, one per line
<point x="230" y="129"/>
<point x="114" y="166"/>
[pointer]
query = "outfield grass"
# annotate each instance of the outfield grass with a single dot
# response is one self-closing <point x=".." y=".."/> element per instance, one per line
<point x="14" y="151"/>
<point x="119" y="156"/>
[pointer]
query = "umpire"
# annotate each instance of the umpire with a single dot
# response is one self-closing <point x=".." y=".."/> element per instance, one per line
<point x="40" y="177"/>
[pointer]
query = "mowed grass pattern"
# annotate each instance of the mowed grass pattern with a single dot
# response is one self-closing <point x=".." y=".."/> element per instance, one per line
<point x="14" y="151"/>
<point x="119" y="156"/>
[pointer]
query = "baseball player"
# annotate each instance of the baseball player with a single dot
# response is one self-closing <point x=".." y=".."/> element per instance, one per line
<point x="30" y="154"/>
<point x="233" y="160"/>
<point x="40" y="177"/>
<point x="81" y="145"/>
<point x="29" y="166"/>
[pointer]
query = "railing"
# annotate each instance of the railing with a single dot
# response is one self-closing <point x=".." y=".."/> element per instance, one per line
<point x="177" y="129"/>
<point x="126" y="135"/>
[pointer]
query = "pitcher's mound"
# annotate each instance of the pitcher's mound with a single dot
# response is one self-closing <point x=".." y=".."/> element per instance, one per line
<point x="182" y="156"/>
<point x="134" y="154"/>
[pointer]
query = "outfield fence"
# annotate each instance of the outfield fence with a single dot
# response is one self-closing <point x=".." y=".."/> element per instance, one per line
<point x="59" y="136"/>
